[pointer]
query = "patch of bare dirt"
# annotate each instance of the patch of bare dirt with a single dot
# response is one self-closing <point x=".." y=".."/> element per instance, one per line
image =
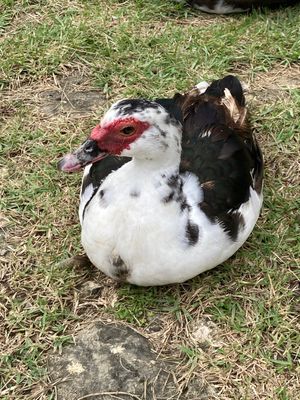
<point x="68" y="94"/>
<point x="82" y="102"/>
<point x="275" y="84"/>
<point x="71" y="95"/>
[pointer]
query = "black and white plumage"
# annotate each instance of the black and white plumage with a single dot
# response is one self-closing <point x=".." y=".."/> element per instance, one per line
<point x="172" y="187"/>
<point x="235" y="6"/>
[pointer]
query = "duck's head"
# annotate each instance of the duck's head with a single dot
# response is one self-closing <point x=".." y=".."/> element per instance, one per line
<point x="141" y="129"/>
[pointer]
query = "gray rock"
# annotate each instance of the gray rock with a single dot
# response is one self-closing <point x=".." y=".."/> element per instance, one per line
<point x="115" y="362"/>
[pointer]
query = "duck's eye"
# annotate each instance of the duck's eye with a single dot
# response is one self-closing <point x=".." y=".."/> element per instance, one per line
<point x="127" y="130"/>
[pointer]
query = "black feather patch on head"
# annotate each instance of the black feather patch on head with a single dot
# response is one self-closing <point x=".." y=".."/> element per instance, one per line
<point x="131" y="106"/>
<point x="173" y="109"/>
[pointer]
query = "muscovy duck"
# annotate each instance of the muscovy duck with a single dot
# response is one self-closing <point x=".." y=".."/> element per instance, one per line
<point x="171" y="187"/>
<point x="235" y="6"/>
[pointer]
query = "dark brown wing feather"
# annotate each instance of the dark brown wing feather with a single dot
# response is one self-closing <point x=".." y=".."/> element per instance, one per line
<point x="219" y="147"/>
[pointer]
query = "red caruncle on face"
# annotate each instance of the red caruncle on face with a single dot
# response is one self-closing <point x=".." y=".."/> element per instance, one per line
<point x="117" y="135"/>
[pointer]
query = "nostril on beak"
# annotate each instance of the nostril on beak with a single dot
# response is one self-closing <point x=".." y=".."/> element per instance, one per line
<point x="90" y="146"/>
<point x="88" y="149"/>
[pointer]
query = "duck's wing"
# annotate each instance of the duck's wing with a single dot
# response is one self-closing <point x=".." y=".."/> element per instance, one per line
<point x="219" y="147"/>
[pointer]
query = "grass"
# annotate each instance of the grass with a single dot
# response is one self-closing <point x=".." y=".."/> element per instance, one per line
<point x="138" y="48"/>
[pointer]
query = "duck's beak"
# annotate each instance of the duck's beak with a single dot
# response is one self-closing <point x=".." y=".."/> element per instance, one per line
<point x="87" y="153"/>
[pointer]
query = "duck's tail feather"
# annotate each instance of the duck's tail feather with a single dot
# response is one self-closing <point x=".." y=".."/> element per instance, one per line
<point x="231" y="83"/>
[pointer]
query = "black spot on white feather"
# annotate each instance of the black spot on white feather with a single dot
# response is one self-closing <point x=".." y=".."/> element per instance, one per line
<point x="118" y="262"/>
<point x="183" y="204"/>
<point x="121" y="271"/>
<point x="192" y="233"/>
<point x="103" y="202"/>
<point x="174" y="181"/>
<point x="135" y="193"/>
<point x="161" y="131"/>
<point x="169" y="197"/>
<point x="165" y="145"/>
